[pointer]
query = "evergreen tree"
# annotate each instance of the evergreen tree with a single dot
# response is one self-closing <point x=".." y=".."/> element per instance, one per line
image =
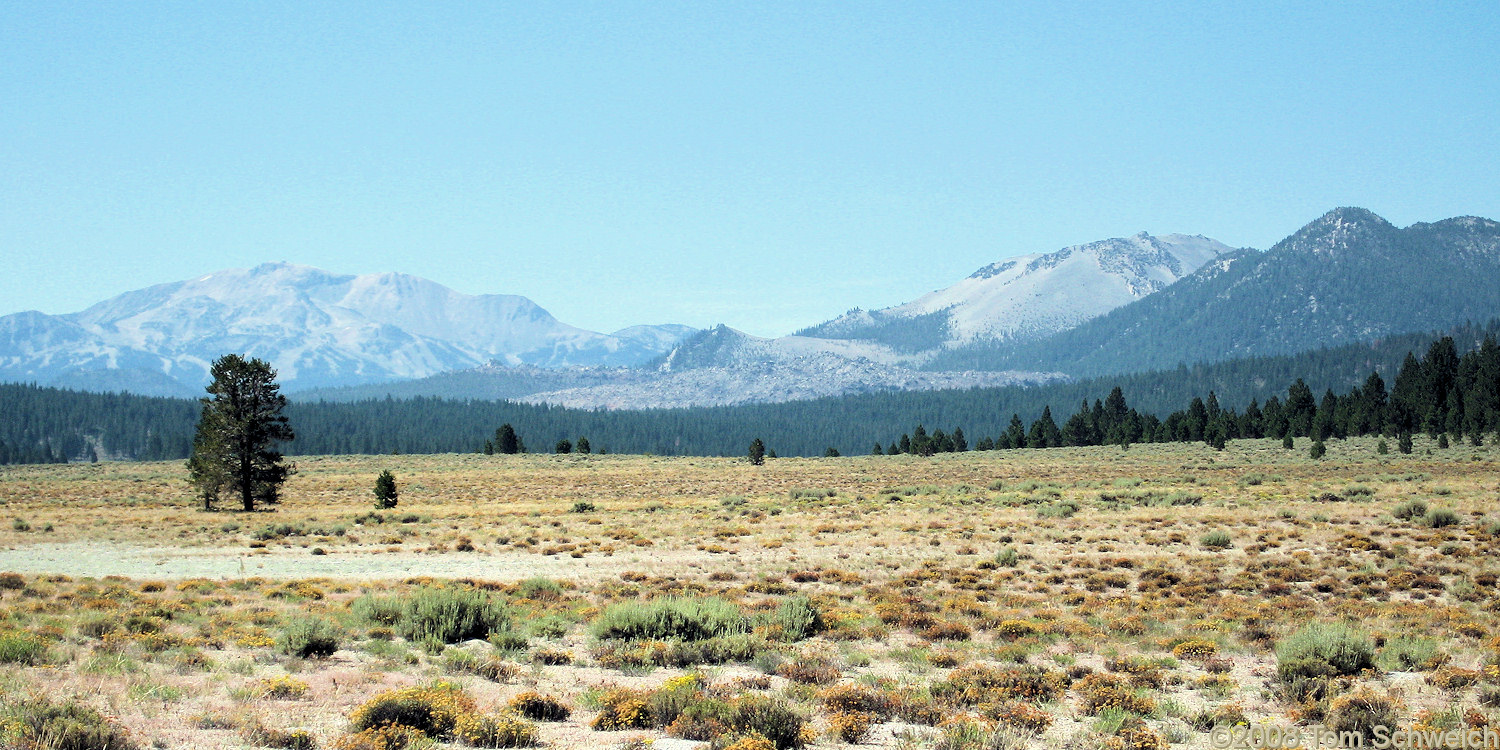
<point x="1252" y="421"/>
<point x="1044" y="432"/>
<point x="757" y="452"/>
<point x="1325" y="420"/>
<point x="385" y="490"/>
<point x="1273" y="420"/>
<point x="1406" y="398"/>
<point x="960" y="444"/>
<point x="235" y="448"/>
<point x="1439" y="371"/>
<point x="1373" y="403"/>
<point x="1196" y="420"/>
<point x="1079" y="429"/>
<point x="921" y="444"/>
<point x="831" y="452"/>
<point x="1116" y="417"/>
<point x="1403" y="442"/>
<point x="877" y="450"/>
<point x="506" y="440"/>
<point x="1300" y="408"/>
<point x="1015" y="433"/>
<point x="564" y="446"/>
<point x="582" y="446"/>
<point x="1216" y="433"/>
<point x="905" y="443"/>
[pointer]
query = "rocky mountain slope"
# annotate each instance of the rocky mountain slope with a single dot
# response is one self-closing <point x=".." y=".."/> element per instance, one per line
<point x="1348" y="276"/>
<point x="1030" y="296"/>
<point x="724" y="367"/>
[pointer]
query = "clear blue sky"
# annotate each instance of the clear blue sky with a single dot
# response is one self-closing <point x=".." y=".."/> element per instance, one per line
<point x="767" y="165"/>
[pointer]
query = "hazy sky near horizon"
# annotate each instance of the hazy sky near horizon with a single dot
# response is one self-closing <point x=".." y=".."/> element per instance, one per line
<point x="765" y="165"/>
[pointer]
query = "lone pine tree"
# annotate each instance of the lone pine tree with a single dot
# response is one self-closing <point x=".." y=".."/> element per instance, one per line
<point x="234" y="449"/>
<point x="757" y="452"/>
<point x="385" y="490"/>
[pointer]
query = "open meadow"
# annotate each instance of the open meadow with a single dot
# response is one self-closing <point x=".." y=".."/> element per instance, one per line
<point x="1063" y="598"/>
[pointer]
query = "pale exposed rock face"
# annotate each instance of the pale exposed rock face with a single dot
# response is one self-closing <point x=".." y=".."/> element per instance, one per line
<point x="1033" y="296"/>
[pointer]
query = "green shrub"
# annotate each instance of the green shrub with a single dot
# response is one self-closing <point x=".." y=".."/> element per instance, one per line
<point x="540" y="588"/>
<point x="799" y="618"/>
<point x="1410" y="509"/>
<point x="1438" y="518"/>
<point x="1060" y="509"/>
<point x="509" y="640"/>
<point x="453" y="615"/>
<point x="22" y="648"/>
<point x="1217" y="540"/>
<point x="383" y="610"/>
<point x="310" y="636"/>
<point x="583" y="506"/>
<point x="1007" y="557"/>
<point x="1406" y="654"/>
<point x="688" y="619"/>
<point x="45" y="725"/>
<point x="550" y="626"/>
<point x="816" y="493"/>
<point x="770" y="718"/>
<point x="742" y="647"/>
<point x="1343" y="649"/>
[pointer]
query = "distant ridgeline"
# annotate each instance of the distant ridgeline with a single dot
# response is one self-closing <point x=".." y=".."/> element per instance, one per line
<point x="1454" y="388"/>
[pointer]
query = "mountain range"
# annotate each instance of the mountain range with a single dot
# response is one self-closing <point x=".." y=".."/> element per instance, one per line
<point x="317" y="328"/>
<point x="1348" y="276"/>
<point x="1031" y="296"/>
<point x="1113" y="306"/>
<point x="1020" y="299"/>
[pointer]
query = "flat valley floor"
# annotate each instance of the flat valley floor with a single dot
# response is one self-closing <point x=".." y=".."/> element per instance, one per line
<point x="1062" y="598"/>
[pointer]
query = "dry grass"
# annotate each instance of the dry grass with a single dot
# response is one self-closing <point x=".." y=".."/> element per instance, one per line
<point x="1077" y="581"/>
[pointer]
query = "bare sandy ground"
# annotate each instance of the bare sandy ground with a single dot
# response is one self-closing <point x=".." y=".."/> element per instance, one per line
<point x="99" y="559"/>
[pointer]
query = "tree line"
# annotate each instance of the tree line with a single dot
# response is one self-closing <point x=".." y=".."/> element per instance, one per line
<point x="1450" y="390"/>
<point x="1444" y="393"/>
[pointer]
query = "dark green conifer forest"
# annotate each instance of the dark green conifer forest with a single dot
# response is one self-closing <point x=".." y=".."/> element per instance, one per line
<point x="1421" y="383"/>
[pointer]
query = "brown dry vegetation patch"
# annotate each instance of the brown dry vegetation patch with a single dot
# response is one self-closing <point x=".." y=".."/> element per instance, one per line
<point x="1089" y="596"/>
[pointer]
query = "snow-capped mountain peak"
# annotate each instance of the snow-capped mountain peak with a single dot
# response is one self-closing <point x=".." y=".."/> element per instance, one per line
<point x="317" y="328"/>
<point x="1031" y="296"/>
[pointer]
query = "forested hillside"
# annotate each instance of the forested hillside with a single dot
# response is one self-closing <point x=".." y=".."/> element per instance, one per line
<point x="1349" y="276"/>
<point x="44" y="424"/>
